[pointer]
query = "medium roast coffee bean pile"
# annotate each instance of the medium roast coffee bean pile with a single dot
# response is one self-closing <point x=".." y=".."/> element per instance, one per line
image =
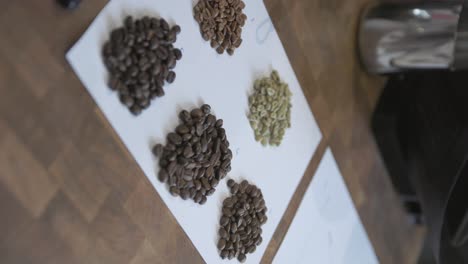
<point x="243" y="215"/>
<point x="196" y="156"/>
<point x="140" y="58"/>
<point x="221" y="23"/>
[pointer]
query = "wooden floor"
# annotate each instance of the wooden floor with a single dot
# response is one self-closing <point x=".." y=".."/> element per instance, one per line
<point x="71" y="193"/>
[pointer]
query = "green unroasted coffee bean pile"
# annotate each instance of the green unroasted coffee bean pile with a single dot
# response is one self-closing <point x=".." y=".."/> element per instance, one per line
<point x="196" y="157"/>
<point x="140" y="58"/>
<point x="270" y="109"/>
<point x="221" y="23"/>
<point x="243" y="215"/>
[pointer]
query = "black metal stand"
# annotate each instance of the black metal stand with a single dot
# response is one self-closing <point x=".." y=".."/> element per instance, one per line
<point x="421" y="127"/>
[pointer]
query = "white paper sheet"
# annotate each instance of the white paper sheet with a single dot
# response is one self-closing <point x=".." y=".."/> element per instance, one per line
<point x="224" y="82"/>
<point x="326" y="228"/>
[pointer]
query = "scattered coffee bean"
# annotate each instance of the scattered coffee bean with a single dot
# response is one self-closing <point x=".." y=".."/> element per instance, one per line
<point x="270" y="110"/>
<point x="192" y="162"/>
<point x="221" y="23"/>
<point x="140" y="57"/>
<point x="243" y="214"/>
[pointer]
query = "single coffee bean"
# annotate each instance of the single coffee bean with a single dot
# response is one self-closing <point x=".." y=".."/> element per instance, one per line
<point x="220" y="49"/>
<point x="135" y="109"/>
<point x="228" y="203"/>
<point x="181" y="160"/>
<point x="235" y="188"/>
<point x="174" y="191"/>
<point x="221" y="244"/>
<point x="198" y="197"/>
<point x="176" y="29"/>
<point x="241" y="258"/>
<point x="258" y="241"/>
<point x="230" y="183"/>
<point x="203" y="199"/>
<point x="251" y="249"/>
<point x="233" y="227"/>
<point x="171" y="77"/>
<point x="157" y="150"/>
<point x="224" y="253"/>
<point x="206" y="109"/>
<point x="241" y="211"/>
<point x="187" y="177"/>
<point x="196" y="113"/>
<point x="248" y="230"/>
<point x="227" y="212"/>
<point x="177" y="54"/>
<point x="188" y="152"/>
<point x="163" y="175"/>
<point x="210" y="192"/>
<point x="231" y="254"/>
<point x="223" y="233"/>
<point x="219" y="123"/>
<point x="224" y="221"/>
<point x="197" y="184"/>
<point x="184" y="194"/>
<point x="228" y="243"/>
<point x="174" y="138"/>
<point x="192" y="193"/>
<point x="202" y="191"/>
<point x="187" y="137"/>
<point x="182" y="129"/>
<point x="214" y="183"/>
<point x="163" y="24"/>
<point x="206" y="183"/>
<point x="171" y="61"/>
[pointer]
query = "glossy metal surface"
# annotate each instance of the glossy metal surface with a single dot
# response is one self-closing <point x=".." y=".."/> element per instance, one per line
<point x="394" y="38"/>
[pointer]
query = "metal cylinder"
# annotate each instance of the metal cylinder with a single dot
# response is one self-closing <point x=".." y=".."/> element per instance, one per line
<point x="399" y="37"/>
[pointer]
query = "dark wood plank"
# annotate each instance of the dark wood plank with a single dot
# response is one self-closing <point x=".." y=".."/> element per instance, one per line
<point x="14" y="217"/>
<point x="36" y="243"/>
<point x="24" y="176"/>
<point x="161" y="228"/>
<point x="118" y="238"/>
<point x="70" y="226"/>
<point x="81" y="181"/>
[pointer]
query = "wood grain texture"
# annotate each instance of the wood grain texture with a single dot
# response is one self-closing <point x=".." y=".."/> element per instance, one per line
<point x="71" y="193"/>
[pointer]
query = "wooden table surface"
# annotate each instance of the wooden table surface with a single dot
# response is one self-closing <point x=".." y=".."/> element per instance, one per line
<point x="71" y="193"/>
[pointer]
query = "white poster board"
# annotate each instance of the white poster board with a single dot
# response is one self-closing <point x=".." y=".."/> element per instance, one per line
<point x="326" y="228"/>
<point x="222" y="81"/>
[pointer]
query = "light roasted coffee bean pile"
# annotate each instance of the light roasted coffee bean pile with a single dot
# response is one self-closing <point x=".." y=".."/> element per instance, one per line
<point x="140" y="58"/>
<point x="270" y="109"/>
<point x="196" y="157"/>
<point x="243" y="215"/>
<point x="221" y="23"/>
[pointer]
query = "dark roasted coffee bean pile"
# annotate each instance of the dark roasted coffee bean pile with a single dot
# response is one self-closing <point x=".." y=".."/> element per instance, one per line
<point x="196" y="157"/>
<point x="243" y="215"/>
<point x="221" y="23"/>
<point x="140" y="58"/>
